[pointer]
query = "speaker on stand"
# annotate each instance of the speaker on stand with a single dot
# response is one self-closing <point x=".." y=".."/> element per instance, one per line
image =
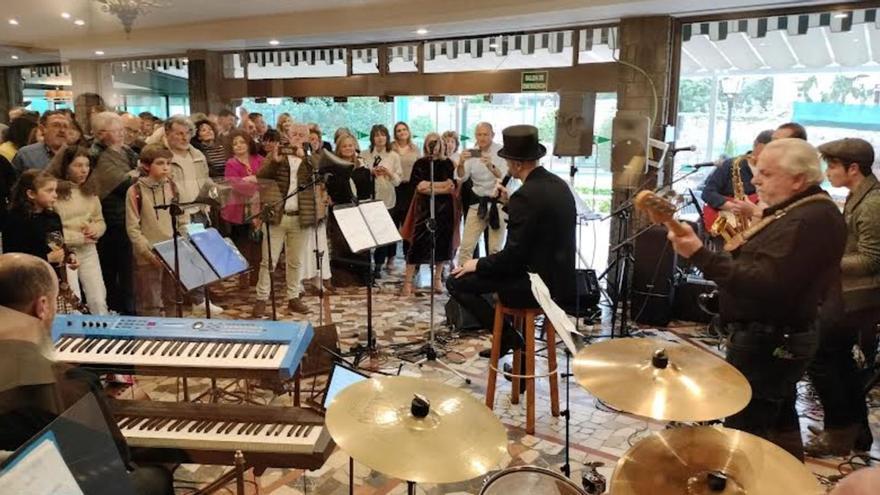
<point x="653" y="278"/>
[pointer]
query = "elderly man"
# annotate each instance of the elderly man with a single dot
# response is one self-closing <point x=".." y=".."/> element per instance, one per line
<point x="115" y="164"/>
<point x="541" y="240"/>
<point x="33" y="388"/>
<point x="485" y="168"/>
<point x="54" y="125"/>
<point x="133" y="125"/>
<point x="834" y="372"/>
<point x="189" y="172"/>
<point x="771" y="286"/>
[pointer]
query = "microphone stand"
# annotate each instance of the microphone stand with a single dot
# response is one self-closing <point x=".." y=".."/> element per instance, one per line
<point x="266" y="213"/>
<point x="319" y="255"/>
<point x="428" y="349"/>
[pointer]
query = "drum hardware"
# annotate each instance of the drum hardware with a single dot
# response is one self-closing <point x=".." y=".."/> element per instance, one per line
<point x="592" y="481"/>
<point x="705" y="459"/>
<point x="529" y="480"/>
<point x="665" y="381"/>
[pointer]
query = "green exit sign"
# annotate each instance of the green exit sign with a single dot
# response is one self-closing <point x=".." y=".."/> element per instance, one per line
<point x="533" y="80"/>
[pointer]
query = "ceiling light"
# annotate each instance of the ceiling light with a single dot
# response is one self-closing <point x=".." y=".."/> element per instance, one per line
<point x="79" y="22"/>
<point x="493" y="45"/>
<point x="421" y="31"/>
<point x="65" y="15"/>
<point x="15" y="57"/>
<point x="274" y="42"/>
<point x="841" y="16"/>
<point x="14" y="22"/>
<point x="99" y="52"/>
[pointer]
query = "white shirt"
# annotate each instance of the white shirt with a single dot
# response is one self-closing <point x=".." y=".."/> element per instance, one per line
<point x="483" y="178"/>
<point x="385" y="184"/>
<point x="292" y="203"/>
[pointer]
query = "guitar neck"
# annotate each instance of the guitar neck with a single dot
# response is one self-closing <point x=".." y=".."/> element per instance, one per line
<point x="675" y="226"/>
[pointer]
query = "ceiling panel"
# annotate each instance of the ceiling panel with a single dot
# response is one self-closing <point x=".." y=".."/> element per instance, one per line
<point x="810" y="48"/>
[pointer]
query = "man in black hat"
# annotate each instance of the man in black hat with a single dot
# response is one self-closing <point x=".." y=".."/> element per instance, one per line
<point x="834" y="371"/>
<point x="540" y="239"/>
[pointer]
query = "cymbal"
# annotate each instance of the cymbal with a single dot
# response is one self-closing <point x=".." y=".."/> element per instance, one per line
<point x="458" y="439"/>
<point x="687" y="460"/>
<point x="661" y="380"/>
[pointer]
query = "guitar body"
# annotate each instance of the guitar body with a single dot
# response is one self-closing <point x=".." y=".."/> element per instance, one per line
<point x="711" y="214"/>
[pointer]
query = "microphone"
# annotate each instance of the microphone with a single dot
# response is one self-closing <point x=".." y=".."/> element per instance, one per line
<point x="685" y="148"/>
<point x="376" y="161"/>
<point x="698" y="166"/>
<point x="307" y="148"/>
<point x="431" y="146"/>
<point x="505" y="180"/>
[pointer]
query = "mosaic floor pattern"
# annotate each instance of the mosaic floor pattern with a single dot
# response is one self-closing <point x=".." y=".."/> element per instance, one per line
<point x="596" y="432"/>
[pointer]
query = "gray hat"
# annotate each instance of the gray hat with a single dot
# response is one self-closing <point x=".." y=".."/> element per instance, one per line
<point x="849" y="150"/>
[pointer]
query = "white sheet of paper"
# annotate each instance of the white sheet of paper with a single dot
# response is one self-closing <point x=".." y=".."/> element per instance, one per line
<point x="354" y="228"/>
<point x="42" y="471"/>
<point x="561" y="323"/>
<point x="380" y="223"/>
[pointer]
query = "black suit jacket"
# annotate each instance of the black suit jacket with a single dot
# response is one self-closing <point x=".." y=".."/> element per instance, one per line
<point x="540" y="236"/>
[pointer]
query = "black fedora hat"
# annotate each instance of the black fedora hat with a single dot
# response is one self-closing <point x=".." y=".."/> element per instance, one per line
<point x="521" y="143"/>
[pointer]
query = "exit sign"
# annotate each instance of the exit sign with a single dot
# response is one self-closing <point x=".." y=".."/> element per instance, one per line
<point x="533" y="80"/>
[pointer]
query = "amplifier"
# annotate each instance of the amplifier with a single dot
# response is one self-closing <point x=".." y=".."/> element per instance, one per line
<point x="687" y="292"/>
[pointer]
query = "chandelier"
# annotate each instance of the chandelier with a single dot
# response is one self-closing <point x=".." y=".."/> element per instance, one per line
<point x="128" y="10"/>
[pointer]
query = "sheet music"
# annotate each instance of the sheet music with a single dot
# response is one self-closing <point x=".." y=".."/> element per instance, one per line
<point x="354" y="228"/>
<point x="40" y="471"/>
<point x="561" y="323"/>
<point x="380" y="223"/>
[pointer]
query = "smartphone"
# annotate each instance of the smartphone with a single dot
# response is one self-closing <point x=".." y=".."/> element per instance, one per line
<point x="475" y="153"/>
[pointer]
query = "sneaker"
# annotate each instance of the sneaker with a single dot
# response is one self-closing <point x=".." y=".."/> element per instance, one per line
<point x="297" y="306"/>
<point x="259" y="310"/>
<point x="510" y="340"/>
<point x="199" y="309"/>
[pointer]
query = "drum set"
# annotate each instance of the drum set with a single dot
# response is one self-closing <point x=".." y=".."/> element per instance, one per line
<point x="422" y="431"/>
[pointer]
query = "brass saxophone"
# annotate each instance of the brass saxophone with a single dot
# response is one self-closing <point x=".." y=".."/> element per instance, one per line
<point x="729" y="224"/>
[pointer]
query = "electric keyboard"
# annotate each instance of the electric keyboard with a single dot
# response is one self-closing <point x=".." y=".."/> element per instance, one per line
<point x="179" y="432"/>
<point x="182" y="346"/>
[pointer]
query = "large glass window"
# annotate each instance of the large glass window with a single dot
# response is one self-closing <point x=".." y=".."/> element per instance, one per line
<point x="741" y="77"/>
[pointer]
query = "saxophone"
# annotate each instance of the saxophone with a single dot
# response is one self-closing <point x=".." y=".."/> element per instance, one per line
<point x="729" y="224"/>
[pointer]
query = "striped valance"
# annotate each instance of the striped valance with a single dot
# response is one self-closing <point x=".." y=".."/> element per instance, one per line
<point x="264" y="58"/>
<point x="366" y="55"/>
<point x="600" y="36"/>
<point x="501" y="45"/>
<point x="407" y="53"/>
<point x="50" y="70"/>
<point x="145" y="64"/>
<point x="841" y="21"/>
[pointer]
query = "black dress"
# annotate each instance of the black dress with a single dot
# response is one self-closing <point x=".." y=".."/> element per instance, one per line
<point x="420" y="250"/>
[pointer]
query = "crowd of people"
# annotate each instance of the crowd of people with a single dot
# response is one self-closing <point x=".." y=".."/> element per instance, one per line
<point x="82" y="191"/>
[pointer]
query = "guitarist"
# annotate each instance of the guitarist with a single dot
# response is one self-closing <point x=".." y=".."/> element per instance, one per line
<point x="771" y="286"/>
<point x="718" y="190"/>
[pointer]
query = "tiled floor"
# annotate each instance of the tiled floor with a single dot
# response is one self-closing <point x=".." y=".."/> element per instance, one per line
<point x="597" y="433"/>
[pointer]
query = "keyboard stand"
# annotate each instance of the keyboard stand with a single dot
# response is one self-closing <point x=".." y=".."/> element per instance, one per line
<point x="236" y="473"/>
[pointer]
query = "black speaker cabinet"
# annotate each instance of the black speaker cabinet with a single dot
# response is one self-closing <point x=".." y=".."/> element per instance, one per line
<point x="653" y="278"/>
<point x="687" y="292"/>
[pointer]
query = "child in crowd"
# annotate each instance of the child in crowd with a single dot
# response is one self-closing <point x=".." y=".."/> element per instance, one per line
<point x="146" y="226"/>
<point x="83" y="221"/>
<point x="33" y="227"/>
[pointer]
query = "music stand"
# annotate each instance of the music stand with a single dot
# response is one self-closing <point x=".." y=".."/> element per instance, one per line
<point x="74" y="454"/>
<point x="366" y="226"/>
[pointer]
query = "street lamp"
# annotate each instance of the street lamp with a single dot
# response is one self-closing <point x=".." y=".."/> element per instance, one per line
<point x="730" y="87"/>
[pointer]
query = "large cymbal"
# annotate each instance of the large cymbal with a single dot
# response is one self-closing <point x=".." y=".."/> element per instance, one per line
<point x="629" y="374"/>
<point x="686" y="460"/>
<point x="458" y="440"/>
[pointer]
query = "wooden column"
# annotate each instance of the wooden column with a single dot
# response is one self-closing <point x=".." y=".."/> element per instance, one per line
<point x="11" y="93"/>
<point x="205" y="79"/>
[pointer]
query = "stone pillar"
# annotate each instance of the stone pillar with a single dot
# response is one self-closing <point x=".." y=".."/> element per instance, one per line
<point x="11" y="90"/>
<point x="205" y="77"/>
<point x="648" y="43"/>
<point x="91" y="76"/>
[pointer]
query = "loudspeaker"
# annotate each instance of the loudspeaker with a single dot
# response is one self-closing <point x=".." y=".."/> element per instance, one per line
<point x="574" y="124"/>
<point x="686" y="294"/>
<point x="629" y="145"/>
<point x="587" y="291"/>
<point x="653" y="278"/>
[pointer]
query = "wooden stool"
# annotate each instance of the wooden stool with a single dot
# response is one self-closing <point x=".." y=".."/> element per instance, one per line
<point x="526" y="315"/>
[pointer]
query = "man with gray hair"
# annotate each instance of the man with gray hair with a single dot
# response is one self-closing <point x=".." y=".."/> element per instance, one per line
<point x="772" y="283"/>
<point x="484" y="168"/>
<point x="114" y="169"/>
